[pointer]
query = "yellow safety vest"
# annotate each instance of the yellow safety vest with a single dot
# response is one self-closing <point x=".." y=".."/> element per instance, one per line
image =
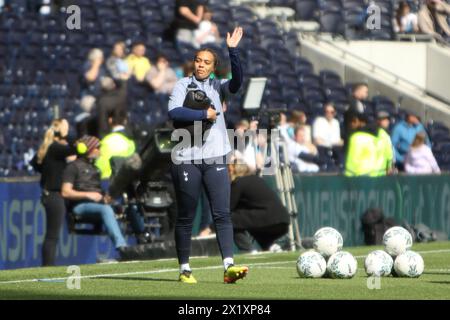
<point x="369" y="155"/>
<point x="114" y="144"/>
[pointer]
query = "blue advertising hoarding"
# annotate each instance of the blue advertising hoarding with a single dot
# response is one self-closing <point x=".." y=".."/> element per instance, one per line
<point x="22" y="221"/>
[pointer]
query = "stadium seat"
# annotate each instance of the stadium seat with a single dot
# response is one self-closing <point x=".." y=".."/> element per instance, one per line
<point x="330" y="21"/>
<point x="380" y="35"/>
<point x="309" y="80"/>
<point x="306" y="10"/>
<point x="29" y="90"/>
<point x="282" y="3"/>
<point x="330" y="5"/>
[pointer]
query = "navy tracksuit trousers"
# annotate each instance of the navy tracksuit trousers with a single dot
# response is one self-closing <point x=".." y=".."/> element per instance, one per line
<point x="188" y="179"/>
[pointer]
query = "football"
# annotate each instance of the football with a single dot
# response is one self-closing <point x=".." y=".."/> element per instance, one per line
<point x="409" y="264"/>
<point x="327" y="241"/>
<point x="342" y="265"/>
<point x="378" y="263"/>
<point x="311" y="264"/>
<point x="397" y="240"/>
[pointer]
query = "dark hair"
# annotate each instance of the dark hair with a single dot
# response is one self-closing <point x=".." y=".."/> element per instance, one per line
<point x="328" y="104"/>
<point x="358" y="85"/>
<point x="419" y="139"/>
<point x="118" y="117"/>
<point x="138" y="43"/>
<point x="188" y="68"/>
<point x="216" y="57"/>
<point x="296" y="115"/>
<point x="398" y="15"/>
<point x="161" y="56"/>
<point x="206" y="9"/>
<point x="298" y="128"/>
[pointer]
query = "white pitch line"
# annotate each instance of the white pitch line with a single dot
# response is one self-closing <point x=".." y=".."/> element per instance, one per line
<point x="173" y="270"/>
<point x="133" y="273"/>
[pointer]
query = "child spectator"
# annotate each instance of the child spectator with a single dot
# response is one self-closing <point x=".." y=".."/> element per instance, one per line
<point x="302" y="153"/>
<point x="403" y="135"/>
<point x="420" y="159"/>
<point x="298" y="118"/>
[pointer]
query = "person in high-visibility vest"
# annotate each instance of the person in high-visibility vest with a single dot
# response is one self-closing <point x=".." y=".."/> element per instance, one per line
<point x="369" y="150"/>
<point x="114" y="144"/>
<point x="118" y="144"/>
<point x="386" y="160"/>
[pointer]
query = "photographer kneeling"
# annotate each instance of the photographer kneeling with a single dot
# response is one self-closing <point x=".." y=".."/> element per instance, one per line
<point x="256" y="209"/>
<point x="83" y="193"/>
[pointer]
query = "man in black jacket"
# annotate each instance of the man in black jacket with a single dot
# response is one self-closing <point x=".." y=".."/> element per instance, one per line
<point x="360" y="93"/>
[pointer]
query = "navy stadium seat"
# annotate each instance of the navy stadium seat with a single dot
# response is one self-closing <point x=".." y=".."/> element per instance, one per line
<point x="331" y="22"/>
<point x="306" y="9"/>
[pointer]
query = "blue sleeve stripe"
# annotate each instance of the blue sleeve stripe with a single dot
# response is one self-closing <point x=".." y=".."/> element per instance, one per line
<point x="186" y="114"/>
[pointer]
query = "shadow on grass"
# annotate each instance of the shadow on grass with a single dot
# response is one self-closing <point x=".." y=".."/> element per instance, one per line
<point x="440" y="282"/>
<point x="137" y="279"/>
<point x="438" y="273"/>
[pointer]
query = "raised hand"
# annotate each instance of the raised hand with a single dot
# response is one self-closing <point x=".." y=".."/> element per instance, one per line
<point x="234" y="39"/>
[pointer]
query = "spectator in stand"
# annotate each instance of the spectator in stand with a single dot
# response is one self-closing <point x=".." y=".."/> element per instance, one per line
<point x="255" y="209"/>
<point x="327" y="135"/>
<point x="420" y="159"/>
<point x="403" y="135"/>
<point x="298" y="118"/>
<point x="360" y="93"/>
<point x="326" y="129"/>
<point x="284" y="126"/>
<point x="137" y="61"/>
<point x="433" y="19"/>
<point x="207" y="31"/>
<point x="302" y="154"/>
<point x="241" y="127"/>
<point x="95" y="75"/>
<point x="185" y="70"/>
<point x="188" y="16"/>
<point x="250" y="145"/>
<point x="405" y="21"/>
<point x="116" y="64"/>
<point x="162" y="77"/>
<point x="383" y="120"/>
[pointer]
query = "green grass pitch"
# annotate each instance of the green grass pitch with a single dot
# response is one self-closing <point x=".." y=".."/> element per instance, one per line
<point x="271" y="276"/>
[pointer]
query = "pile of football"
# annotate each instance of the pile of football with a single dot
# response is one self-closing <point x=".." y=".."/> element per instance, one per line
<point x="397" y="259"/>
<point x="327" y="259"/>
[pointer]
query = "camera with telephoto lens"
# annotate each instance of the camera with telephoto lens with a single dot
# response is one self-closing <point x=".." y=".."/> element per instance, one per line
<point x="196" y="99"/>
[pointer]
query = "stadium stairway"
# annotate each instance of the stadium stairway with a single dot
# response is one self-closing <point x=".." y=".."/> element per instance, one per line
<point x="325" y="54"/>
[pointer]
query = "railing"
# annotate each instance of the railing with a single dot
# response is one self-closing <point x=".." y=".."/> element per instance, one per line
<point x="371" y="66"/>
